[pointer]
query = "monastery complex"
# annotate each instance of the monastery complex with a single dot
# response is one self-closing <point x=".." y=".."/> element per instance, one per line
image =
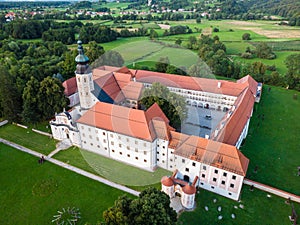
<point x="106" y="118"/>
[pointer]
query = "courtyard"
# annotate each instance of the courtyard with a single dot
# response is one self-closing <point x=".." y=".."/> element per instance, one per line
<point x="200" y="121"/>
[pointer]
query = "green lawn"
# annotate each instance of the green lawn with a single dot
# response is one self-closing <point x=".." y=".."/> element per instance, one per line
<point x="28" y="138"/>
<point x="31" y="193"/>
<point x="273" y="142"/>
<point x="258" y="209"/>
<point x="113" y="170"/>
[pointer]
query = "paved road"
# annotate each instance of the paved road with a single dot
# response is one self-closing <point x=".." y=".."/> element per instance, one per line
<point x="72" y="168"/>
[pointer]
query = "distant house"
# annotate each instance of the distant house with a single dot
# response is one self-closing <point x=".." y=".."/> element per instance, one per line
<point x="107" y="120"/>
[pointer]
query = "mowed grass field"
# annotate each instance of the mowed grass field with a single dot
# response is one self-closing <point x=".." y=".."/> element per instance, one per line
<point x="31" y="193"/>
<point x="273" y="142"/>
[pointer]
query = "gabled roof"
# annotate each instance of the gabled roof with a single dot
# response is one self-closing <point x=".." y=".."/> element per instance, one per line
<point x="191" y="83"/>
<point x="109" y="84"/>
<point x="177" y="139"/>
<point x="70" y="86"/>
<point x="214" y="153"/>
<point x="131" y="122"/>
<point x="236" y="122"/>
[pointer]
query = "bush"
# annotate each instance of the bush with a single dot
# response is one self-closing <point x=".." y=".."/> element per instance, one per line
<point x="246" y="36"/>
<point x="247" y="55"/>
<point x="216" y="29"/>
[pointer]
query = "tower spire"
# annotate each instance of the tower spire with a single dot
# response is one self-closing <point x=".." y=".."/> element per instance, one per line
<point x="82" y="60"/>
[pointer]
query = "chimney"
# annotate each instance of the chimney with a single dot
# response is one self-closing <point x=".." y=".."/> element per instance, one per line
<point x="219" y="84"/>
<point x="195" y="180"/>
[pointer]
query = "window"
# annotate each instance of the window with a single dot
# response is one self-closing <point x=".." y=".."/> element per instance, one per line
<point x="183" y="160"/>
<point x="113" y="150"/>
<point x="164" y="147"/>
<point x="212" y="187"/>
<point x="103" y="133"/>
<point x="229" y="193"/>
<point x="203" y="175"/>
<point x="187" y="169"/>
<point x="233" y="177"/>
<point x="84" y="79"/>
<point x="214" y="179"/>
<point x="84" y="142"/>
<point x="193" y="164"/>
<point x="137" y="158"/>
<point x="204" y="167"/>
<point x="120" y="153"/>
<point x="171" y="160"/>
<point x="83" y="135"/>
<point x="216" y="171"/>
<point x="223" y="182"/>
<point x="97" y="138"/>
<point x="225" y="174"/>
<point x="127" y="139"/>
<point x="145" y="160"/>
<point x="112" y="143"/>
<point x="120" y="145"/>
<point x="136" y="142"/>
<point x="91" y="144"/>
<point x="128" y="155"/>
<point x="158" y="146"/>
<point x="232" y="185"/>
<point x="163" y="154"/>
<point x="157" y="160"/>
<point x="136" y="150"/>
<point x="105" y="148"/>
<point x="98" y="146"/>
<point x="111" y="135"/>
<point x="104" y="141"/>
<point x="163" y="161"/>
<point x="202" y="183"/>
<point x="145" y="152"/>
<point x="90" y="136"/>
<point x="171" y="166"/>
<point x="128" y="148"/>
<point x="96" y="131"/>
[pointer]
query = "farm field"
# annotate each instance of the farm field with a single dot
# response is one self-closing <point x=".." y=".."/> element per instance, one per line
<point x="31" y="193"/>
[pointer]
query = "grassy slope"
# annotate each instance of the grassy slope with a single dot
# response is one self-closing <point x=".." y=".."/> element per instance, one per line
<point x="273" y="142"/>
<point x="20" y="172"/>
<point x="111" y="169"/>
<point x="28" y="138"/>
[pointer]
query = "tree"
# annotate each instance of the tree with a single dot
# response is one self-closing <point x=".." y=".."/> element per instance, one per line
<point x="172" y="105"/>
<point x="94" y="51"/>
<point x="109" y="58"/>
<point x="51" y="98"/>
<point x="246" y="36"/>
<point x="162" y="64"/>
<point x="264" y="51"/>
<point x="293" y="74"/>
<point x="10" y="97"/>
<point x="31" y="112"/>
<point x="178" y="41"/>
<point x="198" y="20"/>
<point x="201" y="69"/>
<point x="151" y="207"/>
<point x="153" y="34"/>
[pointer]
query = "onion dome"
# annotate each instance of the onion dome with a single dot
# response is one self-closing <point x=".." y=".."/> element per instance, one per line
<point x="188" y="189"/>
<point x="82" y="60"/>
<point x="167" y="181"/>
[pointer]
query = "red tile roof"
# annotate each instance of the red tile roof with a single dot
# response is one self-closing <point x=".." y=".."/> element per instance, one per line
<point x="70" y="86"/>
<point x="109" y="84"/>
<point x="190" y="83"/>
<point x="123" y="120"/>
<point x="214" y="153"/>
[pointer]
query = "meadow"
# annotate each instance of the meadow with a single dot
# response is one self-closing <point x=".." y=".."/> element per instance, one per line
<point x="31" y="193"/>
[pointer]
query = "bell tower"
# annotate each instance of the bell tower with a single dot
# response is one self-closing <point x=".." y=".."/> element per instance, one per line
<point x="84" y="78"/>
